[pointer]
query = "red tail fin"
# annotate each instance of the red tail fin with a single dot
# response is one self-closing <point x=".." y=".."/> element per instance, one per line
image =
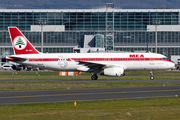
<point x="20" y="43"/>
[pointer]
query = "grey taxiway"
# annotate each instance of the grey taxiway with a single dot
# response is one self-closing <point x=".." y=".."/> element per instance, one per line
<point x="72" y="95"/>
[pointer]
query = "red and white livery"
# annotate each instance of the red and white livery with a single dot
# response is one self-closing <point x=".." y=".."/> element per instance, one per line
<point x="108" y="64"/>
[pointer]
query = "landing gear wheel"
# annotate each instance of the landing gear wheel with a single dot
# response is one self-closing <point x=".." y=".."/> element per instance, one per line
<point x="152" y="77"/>
<point x="94" y="77"/>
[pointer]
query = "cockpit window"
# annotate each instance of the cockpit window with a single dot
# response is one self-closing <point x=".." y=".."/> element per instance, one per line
<point x="164" y="58"/>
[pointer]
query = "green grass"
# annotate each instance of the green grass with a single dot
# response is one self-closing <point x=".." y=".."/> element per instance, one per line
<point x="139" y="109"/>
<point x="19" y="86"/>
<point x="54" y="75"/>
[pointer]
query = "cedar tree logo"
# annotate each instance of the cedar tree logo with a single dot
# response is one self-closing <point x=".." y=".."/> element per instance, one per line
<point x="63" y="64"/>
<point x="20" y="43"/>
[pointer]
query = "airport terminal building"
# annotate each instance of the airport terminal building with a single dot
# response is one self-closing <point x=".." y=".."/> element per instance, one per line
<point x="67" y="30"/>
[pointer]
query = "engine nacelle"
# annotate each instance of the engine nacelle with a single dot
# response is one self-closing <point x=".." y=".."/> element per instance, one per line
<point x="114" y="71"/>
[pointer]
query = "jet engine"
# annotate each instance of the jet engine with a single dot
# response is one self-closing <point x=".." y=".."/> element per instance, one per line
<point x="113" y="71"/>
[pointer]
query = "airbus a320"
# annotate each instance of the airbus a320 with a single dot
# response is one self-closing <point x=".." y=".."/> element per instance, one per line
<point x="108" y="64"/>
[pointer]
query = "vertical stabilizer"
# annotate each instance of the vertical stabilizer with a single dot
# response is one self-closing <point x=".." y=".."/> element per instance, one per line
<point x="21" y="44"/>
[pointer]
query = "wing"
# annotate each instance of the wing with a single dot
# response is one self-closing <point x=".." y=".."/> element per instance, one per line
<point x="92" y="65"/>
<point x="100" y="66"/>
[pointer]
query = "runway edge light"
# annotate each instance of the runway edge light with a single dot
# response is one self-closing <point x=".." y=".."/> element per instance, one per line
<point x="75" y="103"/>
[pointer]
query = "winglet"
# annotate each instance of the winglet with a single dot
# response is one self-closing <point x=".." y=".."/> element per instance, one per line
<point x="21" y="44"/>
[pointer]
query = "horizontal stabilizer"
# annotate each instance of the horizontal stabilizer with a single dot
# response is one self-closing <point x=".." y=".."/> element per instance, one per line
<point x="14" y="58"/>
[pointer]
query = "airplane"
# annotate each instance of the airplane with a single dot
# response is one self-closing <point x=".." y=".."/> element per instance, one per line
<point x="108" y="64"/>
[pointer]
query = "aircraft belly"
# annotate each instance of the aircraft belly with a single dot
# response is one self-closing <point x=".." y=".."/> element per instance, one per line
<point x="140" y="66"/>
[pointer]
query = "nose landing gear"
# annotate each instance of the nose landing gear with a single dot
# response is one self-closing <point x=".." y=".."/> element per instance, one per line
<point x="151" y="75"/>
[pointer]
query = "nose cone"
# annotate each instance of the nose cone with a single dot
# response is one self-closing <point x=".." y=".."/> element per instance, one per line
<point x="172" y="65"/>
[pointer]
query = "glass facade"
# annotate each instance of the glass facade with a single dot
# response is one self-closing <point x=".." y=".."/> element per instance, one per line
<point x="130" y="29"/>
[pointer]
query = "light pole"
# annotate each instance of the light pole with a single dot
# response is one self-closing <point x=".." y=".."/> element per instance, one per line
<point x="156" y="23"/>
<point x="42" y="24"/>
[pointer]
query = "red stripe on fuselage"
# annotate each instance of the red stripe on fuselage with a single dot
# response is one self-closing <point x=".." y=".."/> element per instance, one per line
<point x="43" y="59"/>
<point x="97" y="59"/>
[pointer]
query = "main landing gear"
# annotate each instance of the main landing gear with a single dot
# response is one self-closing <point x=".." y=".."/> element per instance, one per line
<point x="94" y="77"/>
<point x="151" y="75"/>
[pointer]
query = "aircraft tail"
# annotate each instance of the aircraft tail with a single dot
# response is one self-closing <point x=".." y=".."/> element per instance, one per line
<point x="21" y="44"/>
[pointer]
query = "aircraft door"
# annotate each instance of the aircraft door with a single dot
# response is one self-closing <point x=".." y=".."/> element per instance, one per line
<point x="152" y="60"/>
<point x="40" y="60"/>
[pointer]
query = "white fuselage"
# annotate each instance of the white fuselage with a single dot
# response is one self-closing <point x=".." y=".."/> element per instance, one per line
<point x="70" y="61"/>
